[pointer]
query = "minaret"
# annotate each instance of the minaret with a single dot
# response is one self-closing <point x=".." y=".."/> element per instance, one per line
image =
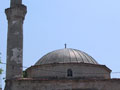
<point x="15" y="16"/>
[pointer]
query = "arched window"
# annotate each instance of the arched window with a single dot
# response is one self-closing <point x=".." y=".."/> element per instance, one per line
<point x="69" y="73"/>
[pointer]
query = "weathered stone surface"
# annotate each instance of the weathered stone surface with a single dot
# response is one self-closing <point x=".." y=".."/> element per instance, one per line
<point x="15" y="2"/>
<point x="15" y="16"/>
<point x="79" y="70"/>
<point x="31" y="84"/>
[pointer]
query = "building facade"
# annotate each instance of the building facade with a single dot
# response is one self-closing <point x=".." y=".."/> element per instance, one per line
<point x="63" y="69"/>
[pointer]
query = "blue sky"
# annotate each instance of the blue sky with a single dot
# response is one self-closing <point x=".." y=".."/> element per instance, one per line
<point x="92" y="26"/>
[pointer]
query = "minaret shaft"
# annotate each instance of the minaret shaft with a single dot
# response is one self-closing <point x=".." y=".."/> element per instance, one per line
<point x="15" y="16"/>
<point x="15" y="2"/>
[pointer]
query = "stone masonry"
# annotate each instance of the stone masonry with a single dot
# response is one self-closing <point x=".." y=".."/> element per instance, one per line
<point x="66" y="84"/>
<point x="15" y="16"/>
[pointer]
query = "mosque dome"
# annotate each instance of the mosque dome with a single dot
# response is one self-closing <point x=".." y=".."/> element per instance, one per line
<point x="66" y="55"/>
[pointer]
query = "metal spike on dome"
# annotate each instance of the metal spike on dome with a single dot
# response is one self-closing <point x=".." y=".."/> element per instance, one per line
<point x="65" y="45"/>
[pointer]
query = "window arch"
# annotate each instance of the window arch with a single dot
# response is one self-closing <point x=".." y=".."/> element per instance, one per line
<point x="69" y="73"/>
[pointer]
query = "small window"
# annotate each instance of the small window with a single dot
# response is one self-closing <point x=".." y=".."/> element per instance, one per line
<point x="69" y="73"/>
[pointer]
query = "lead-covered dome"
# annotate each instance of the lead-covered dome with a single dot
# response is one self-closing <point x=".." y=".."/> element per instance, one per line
<point x="66" y="55"/>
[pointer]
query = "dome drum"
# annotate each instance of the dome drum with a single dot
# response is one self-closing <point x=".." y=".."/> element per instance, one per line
<point x="60" y="70"/>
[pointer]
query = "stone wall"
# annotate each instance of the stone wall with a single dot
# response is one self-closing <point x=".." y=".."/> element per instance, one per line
<point x="29" y="84"/>
<point x="60" y="71"/>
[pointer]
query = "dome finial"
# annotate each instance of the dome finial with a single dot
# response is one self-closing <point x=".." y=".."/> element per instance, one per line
<point x="65" y="45"/>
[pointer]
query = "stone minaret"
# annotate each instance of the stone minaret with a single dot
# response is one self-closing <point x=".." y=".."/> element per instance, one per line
<point x="15" y="16"/>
